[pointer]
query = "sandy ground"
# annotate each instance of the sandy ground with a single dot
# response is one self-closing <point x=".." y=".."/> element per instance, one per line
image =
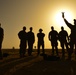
<point x="36" y="65"/>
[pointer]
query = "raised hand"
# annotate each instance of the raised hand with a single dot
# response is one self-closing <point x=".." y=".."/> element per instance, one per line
<point x="62" y="14"/>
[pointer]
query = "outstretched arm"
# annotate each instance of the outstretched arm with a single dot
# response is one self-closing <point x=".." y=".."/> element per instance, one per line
<point x="67" y="23"/>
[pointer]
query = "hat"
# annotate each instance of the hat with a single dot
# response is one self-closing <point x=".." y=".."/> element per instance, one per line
<point x="40" y="29"/>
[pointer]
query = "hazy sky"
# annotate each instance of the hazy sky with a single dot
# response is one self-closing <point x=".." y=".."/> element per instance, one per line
<point x="14" y="14"/>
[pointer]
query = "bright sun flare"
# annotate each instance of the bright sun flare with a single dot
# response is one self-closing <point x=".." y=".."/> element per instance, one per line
<point x="58" y="17"/>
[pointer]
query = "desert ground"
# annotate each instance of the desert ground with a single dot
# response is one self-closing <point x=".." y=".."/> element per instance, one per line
<point x="35" y="65"/>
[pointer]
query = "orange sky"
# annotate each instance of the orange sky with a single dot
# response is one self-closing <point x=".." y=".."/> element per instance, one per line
<point x="14" y="14"/>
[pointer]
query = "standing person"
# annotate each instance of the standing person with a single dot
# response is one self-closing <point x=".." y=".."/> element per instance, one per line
<point x="53" y="37"/>
<point x="40" y="36"/>
<point x="23" y="41"/>
<point x="72" y="35"/>
<point x="1" y="40"/>
<point x="63" y="37"/>
<point x="31" y="40"/>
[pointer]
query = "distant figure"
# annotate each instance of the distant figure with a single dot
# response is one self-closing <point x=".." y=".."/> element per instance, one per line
<point x="31" y="40"/>
<point x="63" y="38"/>
<point x="53" y="37"/>
<point x="23" y="41"/>
<point x="1" y="40"/>
<point x="72" y="36"/>
<point x="40" y="36"/>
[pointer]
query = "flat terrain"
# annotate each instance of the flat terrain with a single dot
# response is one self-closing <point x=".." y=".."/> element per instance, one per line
<point x="36" y="65"/>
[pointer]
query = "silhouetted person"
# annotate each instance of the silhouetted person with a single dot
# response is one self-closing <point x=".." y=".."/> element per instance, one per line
<point x="23" y="41"/>
<point x="53" y="37"/>
<point x="63" y="38"/>
<point x="40" y="36"/>
<point x="1" y="40"/>
<point x="31" y="40"/>
<point x="72" y="35"/>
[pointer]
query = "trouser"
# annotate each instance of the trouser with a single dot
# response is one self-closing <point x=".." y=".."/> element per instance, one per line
<point x="1" y="51"/>
<point x="72" y="44"/>
<point x="22" y="50"/>
<point x="30" y="48"/>
<point x="54" y="45"/>
<point x="63" y="50"/>
<point x="54" y="49"/>
<point x="39" y="45"/>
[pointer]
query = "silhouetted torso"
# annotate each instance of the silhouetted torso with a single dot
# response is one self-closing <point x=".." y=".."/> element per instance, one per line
<point x="62" y="35"/>
<point x="53" y="36"/>
<point x="23" y="37"/>
<point x="31" y="37"/>
<point x="1" y="39"/>
<point x="73" y="31"/>
<point x="40" y="37"/>
<point x="1" y="33"/>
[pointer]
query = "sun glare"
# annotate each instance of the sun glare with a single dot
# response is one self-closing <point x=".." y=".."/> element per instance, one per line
<point x="58" y="17"/>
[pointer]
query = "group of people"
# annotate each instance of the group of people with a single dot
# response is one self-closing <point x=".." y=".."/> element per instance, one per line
<point x="62" y="36"/>
<point x="24" y="39"/>
<point x="65" y="41"/>
<point x="68" y="41"/>
<point x="28" y="39"/>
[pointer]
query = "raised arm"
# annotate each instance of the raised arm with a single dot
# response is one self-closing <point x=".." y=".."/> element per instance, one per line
<point x="67" y="23"/>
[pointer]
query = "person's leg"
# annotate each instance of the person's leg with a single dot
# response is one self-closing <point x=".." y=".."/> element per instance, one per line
<point x="43" y="48"/>
<point x="52" y="50"/>
<point x="56" y="50"/>
<point x="75" y="50"/>
<point x="0" y="52"/>
<point x="63" y="51"/>
<point x="67" y="48"/>
<point x="38" y="50"/>
<point x="30" y="50"/>
<point x="24" y="51"/>
<point x="70" y="50"/>
<point x="20" y="50"/>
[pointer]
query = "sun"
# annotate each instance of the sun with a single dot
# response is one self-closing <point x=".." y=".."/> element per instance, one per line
<point x="58" y="17"/>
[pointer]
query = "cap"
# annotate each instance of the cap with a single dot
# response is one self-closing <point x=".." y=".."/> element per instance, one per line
<point x="40" y="29"/>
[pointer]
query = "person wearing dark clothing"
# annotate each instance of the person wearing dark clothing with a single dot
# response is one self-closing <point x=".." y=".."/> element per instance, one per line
<point x="31" y="40"/>
<point x="53" y="37"/>
<point x="72" y="36"/>
<point x="1" y="40"/>
<point x="63" y="38"/>
<point x="23" y="41"/>
<point x="40" y="36"/>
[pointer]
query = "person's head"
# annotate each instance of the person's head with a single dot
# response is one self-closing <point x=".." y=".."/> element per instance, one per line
<point x="74" y="21"/>
<point x="62" y="28"/>
<point x="24" y="28"/>
<point x="40" y="30"/>
<point x="52" y="28"/>
<point x="31" y="28"/>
